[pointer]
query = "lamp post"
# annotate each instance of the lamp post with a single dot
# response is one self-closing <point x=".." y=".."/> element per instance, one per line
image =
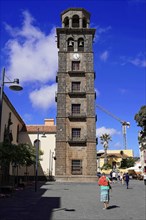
<point x="14" y="86"/>
<point x="37" y="145"/>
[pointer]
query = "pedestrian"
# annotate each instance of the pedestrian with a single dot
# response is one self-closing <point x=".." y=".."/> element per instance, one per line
<point x="144" y="178"/>
<point x="127" y="180"/>
<point x="111" y="175"/>
<point x="121" y="178"/>
<point x="104" y="183"/>
<point x="114" y="178"/>
<point x="118" y="175"/>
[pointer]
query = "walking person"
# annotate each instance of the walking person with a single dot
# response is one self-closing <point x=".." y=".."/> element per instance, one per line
<point x="114" y="178"/>
<point x="127" y="180"/>
<point x="121" y="178"/>
<point x="111" y="175"/>
<point x="104" y="183"/>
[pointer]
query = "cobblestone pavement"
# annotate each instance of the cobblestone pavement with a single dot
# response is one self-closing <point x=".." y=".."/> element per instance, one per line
<point x="73" y="201"/>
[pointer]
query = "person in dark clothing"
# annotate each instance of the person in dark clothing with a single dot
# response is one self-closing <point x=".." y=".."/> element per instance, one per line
<point x="111" y="175"/>
<point x="127" y="180"/>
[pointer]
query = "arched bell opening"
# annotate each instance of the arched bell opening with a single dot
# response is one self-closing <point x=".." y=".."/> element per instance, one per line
<point x="75" y="21"/>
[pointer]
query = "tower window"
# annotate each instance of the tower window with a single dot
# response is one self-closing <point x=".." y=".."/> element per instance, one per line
<point x="76" y="132"/>
<point x="66" y="22"/>
<point x="75" y="86"/>
<point x="75" y="21"/>
<point x="76" y="109"/>
<point x="80" y="44"/>
<point x="70" y="44"/>
<point x="75" y="65"/>
<point x="76" y="168"/>
<point x="84" y="22"/>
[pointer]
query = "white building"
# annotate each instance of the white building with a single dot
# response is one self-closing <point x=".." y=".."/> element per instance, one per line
<point x="143" y="158"/>
<point x="46" y="134"/>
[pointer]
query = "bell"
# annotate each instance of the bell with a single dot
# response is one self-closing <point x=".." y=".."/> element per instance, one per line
<point x="81" y="43"/>
<point x="70" y="43"/>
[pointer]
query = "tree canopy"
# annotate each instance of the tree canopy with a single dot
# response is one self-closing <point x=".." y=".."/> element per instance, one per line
<point x="140" y="117"/>
<point x="21" y="154"/>
<point x="127" y="162"/>
<point x="105" y="138"/>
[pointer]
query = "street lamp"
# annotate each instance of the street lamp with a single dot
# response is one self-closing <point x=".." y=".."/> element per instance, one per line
<point x="14" y="86"/>
<point x="37" y="145"/>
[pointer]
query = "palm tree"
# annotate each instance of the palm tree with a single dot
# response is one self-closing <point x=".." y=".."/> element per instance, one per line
<point x="105" y="138"/>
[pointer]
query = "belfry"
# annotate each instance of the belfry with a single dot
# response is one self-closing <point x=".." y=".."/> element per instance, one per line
<point x="76" y="119"/>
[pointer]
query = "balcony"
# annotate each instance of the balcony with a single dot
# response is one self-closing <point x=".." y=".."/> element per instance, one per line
<point x="80" y="141"/>
<point x="77" y="116"/>
<point x="76" y="73"/>
<point x="77" y="93"/>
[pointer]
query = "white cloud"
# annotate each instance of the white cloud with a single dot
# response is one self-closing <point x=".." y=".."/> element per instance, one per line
<point x="139" y="60"/>
<point x="104" y="56"/>
<point x="103" y="130"/>
<point x="97" y="92"/>
<point x="32" y="55"/>
<point x="100" y="31"/>
<point x="39" y="100"/>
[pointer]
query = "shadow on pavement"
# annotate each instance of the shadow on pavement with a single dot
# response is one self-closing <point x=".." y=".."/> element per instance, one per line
<point x="28" y="205"/>
<point x="64" y="209"/>
<point x="113" y="206"/>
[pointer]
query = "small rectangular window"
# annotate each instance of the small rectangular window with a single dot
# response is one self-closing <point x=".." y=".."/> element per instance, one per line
<point x="75" y="109"/>
<point x="76" y="168"/>
<point x="75" y="86"/>
<point x="76" y="132"/>
<point x="75" y="65"/>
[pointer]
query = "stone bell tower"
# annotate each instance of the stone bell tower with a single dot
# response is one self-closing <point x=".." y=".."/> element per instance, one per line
<point x="76" y="119"/>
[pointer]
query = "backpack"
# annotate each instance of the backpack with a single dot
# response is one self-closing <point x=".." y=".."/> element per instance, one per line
<point x="103" y="181"/>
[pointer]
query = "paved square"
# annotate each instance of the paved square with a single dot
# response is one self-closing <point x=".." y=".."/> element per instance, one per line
<point x="73" y="201"/>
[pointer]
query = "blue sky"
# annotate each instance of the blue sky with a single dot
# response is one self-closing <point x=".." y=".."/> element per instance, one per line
<point x="29" y="52"/>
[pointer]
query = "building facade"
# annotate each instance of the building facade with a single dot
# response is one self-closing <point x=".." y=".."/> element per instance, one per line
<point x="76" y="120"/>
<point x="14" y="130"/>
<point x="11" y="122"/>
<point x="46" y="134"/>
<point x="142" y="149"/>
<point x="114" y="158"/>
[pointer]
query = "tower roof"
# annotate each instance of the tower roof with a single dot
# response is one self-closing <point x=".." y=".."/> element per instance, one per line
<point x="76" y="9"/>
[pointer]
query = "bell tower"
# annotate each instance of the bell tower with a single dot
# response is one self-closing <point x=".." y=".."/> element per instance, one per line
<point x="76" y="119"/>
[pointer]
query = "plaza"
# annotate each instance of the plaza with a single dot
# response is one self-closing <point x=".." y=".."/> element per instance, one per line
<point x="70" y="201"/>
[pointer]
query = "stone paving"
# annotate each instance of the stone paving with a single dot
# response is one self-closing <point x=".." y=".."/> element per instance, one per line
<point x="73" y="201"/>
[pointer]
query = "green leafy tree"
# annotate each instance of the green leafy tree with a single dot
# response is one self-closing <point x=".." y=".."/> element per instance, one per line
<point x="106" y="166"/>
<point x="105" y="138"/>
<point x="19" y="155"/>
<point x="140" y="118"/>
<point x="127" y="162"/>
